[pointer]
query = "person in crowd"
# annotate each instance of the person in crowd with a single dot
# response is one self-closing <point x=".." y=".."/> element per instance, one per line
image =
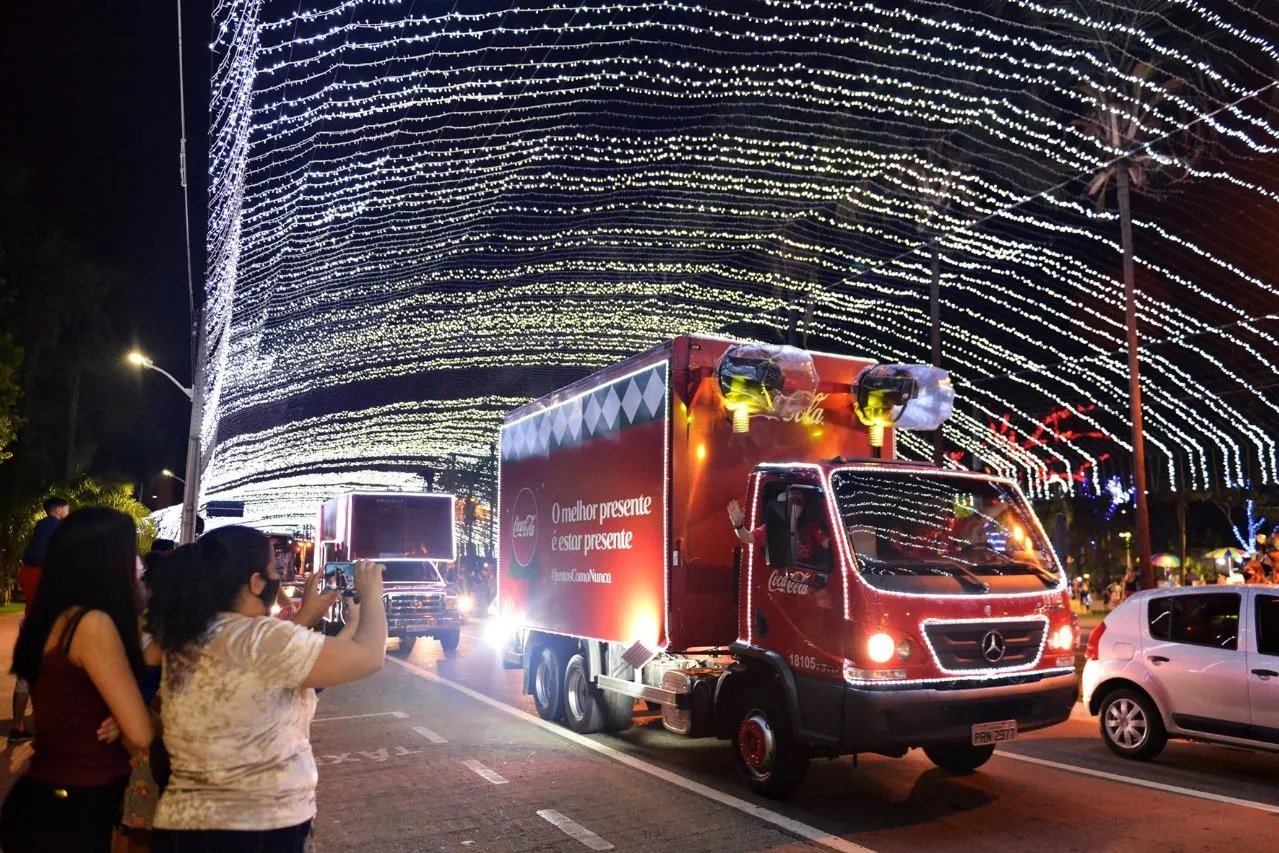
<point x="55" y="509"/>
<point x="1253" y="572"/>
<point x="80" y="650"/>
<point x="238" y="693"/>
<point x="1129" y="583"/>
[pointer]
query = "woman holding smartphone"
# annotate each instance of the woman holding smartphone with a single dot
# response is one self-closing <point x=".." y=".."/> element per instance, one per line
<point x="238" y="693"/>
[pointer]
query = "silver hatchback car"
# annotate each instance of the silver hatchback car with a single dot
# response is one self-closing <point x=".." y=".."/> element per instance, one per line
<point x="1197" y="663"/>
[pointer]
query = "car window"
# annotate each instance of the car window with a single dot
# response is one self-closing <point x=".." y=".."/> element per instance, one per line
<point x="1268" y="624"/>
<point x="1201" y="620"/>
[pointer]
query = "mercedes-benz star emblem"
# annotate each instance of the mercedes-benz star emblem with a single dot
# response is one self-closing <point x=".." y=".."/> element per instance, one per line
<point x="992" y="646"/>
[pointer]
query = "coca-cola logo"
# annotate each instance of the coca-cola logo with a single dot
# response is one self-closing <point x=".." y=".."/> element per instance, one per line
<point x="793" y="583"/>
<point x="524" y="527"/>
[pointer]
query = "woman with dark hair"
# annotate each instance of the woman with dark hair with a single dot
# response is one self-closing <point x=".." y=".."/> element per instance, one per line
<point x="237" y="695"/>
<point x="79" y="648"/>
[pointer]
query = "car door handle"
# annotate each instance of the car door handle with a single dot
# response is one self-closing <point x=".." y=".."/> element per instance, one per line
<point x="1265" y="673"/>
<point x="1157" y="659"/>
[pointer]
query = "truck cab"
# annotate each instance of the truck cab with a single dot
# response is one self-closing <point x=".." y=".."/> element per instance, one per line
<point x="892" y="597"/>
<point x="419" y="602"/>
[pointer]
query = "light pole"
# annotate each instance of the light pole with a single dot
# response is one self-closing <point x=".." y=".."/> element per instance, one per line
<point x="166" y="472"/>
<point x="191" y="483"/>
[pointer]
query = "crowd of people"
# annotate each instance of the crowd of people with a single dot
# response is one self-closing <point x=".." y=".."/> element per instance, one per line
<point x="172" y="708"/>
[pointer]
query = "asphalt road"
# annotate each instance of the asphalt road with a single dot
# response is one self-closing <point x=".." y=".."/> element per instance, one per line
<point x="443" y="753"/>
<point x="416" y="777"/>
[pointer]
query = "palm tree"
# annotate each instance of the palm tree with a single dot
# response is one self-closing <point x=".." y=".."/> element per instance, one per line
<point x="1123" y="121"/>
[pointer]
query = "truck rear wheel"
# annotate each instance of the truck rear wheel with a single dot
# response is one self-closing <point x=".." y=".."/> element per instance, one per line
<point x="959" y="757"/>
<point x="584" y="707"/>
<point x="769" y="759"/>
<point x="548" y="684"/>
<point x="449" y="640"/>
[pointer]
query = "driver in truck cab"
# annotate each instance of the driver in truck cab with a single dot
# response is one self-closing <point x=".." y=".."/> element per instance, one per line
<point x="812" y="538"/>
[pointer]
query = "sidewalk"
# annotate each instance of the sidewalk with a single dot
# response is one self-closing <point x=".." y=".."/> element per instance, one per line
<point x="9" y="623"/>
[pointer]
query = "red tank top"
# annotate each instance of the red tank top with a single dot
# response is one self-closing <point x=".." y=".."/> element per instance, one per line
<point x="69" y="711"/>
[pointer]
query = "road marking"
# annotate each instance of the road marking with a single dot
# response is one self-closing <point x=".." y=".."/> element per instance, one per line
<point x="483" y="772"/>
<point x="794" y="827"/>
<point x="573" y="829"/>
<point x="1141" y="783"/>
<point x="429" y="735"/>
<point x="399" y="715"/>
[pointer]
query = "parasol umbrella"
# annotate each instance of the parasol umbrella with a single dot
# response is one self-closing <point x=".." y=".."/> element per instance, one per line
<point x="1230" y="554"/>
<point x="1166" y="561"/>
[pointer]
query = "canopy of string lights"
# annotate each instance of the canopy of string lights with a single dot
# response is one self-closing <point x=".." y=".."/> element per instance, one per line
<point x="424" y="214"/>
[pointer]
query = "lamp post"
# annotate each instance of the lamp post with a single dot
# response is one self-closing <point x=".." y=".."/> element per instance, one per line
<point x="191" y="483"/>
<point x="166" y="472"/>
<point x="1127" y="537"/>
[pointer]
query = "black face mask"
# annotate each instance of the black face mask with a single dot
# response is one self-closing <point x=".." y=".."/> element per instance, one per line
<point x="269" y="592"/>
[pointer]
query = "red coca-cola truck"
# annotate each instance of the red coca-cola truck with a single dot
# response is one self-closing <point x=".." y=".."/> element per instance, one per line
<point x="861" y="604"/>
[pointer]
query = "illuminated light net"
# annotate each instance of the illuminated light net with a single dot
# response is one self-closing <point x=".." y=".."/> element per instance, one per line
<point x="420" y="219"/>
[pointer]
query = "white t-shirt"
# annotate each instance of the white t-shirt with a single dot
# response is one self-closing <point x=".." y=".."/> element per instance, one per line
<point x="237" y="727"/>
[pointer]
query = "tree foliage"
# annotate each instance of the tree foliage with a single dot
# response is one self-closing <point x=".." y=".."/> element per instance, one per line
<point x="19" y="520"/>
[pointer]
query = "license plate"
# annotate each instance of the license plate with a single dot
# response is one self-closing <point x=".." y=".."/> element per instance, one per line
<point x="985" y="734"/>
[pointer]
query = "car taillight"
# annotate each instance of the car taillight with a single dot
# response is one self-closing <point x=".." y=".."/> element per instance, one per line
<point x="1094" y="639"/>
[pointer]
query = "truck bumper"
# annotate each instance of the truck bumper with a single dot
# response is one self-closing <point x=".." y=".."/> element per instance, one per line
<point x="422" y="627"/>
<point x="887" y="720"/>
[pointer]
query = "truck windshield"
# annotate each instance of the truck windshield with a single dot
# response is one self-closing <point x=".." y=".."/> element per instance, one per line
<point x="933" y="533"/>
<point x="410" y="570"/>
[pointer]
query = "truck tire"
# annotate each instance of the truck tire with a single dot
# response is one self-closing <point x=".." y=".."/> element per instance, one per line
<point x="548" y="684"/>
<point x="1131" y="725"/>
<point x="959" y="758"/>
<point x="449" y="640"/>
<point x="619" y="711"/>
<point x="405" y="647"/>
<point x="585" y="710"/>
<point x="769" y="759"/>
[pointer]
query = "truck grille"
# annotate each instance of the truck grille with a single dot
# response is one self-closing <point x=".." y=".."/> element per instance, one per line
<point x="413" y="605"/>
<point x="962" y="646"/>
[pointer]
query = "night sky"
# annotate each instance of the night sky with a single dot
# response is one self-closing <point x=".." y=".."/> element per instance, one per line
<point x="92" y="115"/>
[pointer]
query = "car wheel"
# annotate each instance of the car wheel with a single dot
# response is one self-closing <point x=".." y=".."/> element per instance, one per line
<point x="1131" y="725"/>
<point x="769" y="759"/>
<point x="405" y="647"/>
<point x="959" y="758"/>
<point x="449" y="641"/>
<point x="548" y="689"/>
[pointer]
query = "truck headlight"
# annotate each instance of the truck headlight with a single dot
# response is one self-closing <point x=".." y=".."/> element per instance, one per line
<point x="1062" y="639"/>
<point x="881" y="647"/>
<point x="466" y="603"/>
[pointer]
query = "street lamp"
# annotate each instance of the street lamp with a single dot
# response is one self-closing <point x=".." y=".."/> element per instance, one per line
<point x="166" y="472"/>
<point x="191" y="483"/>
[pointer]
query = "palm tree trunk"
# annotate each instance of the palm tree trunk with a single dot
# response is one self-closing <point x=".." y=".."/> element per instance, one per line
<point x="1134" y="380"/>
<point x="934" y="314"/>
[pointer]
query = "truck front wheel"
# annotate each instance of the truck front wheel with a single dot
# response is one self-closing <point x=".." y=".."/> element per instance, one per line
<point x="405" y="647"/>
<point x="959" y="757"/>
<point x="548" y="684"/>
<point x="449" y="640"/>
<point x="769" y="759"/>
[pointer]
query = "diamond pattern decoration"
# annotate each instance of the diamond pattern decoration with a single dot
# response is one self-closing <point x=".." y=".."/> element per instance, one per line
<point x="631" y="400"/>
<point x="655" y="392"/>
<point x="600" y="412"/>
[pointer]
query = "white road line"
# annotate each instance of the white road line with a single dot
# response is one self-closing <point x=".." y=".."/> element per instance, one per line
<point x="573" y="829"/>
<point x="794" y="827"/>
<point x="483" y="772"/>
<point x="429" y="735"/>
<point x="1141" y="783"/>
<point x="399" y="715"/>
